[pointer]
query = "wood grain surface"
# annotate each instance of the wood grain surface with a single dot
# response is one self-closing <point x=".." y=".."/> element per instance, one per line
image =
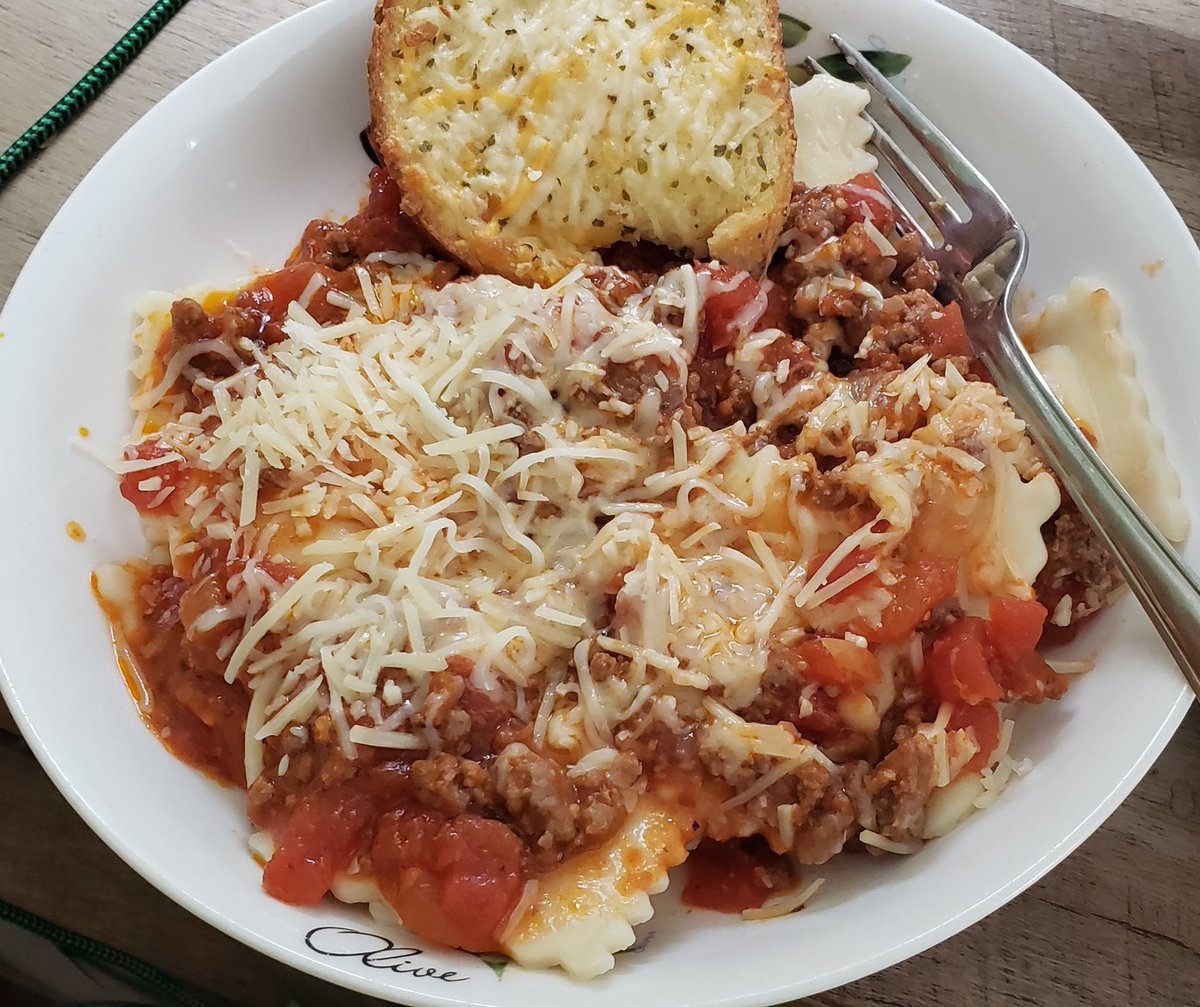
<point x="1118" y="923"/>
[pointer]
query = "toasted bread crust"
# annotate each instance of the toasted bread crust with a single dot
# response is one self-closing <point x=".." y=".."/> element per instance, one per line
<point x="488" y="217"/>
<point x="749" y="242"/>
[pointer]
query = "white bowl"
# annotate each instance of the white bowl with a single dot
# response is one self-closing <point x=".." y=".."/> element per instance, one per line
<point x="240" y="157"/>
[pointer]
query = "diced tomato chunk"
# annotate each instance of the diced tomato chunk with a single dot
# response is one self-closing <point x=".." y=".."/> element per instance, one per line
<point x="161" y="482"/>
<point x="322" y="836"/>
<point x="454" y="882"/>
<point x="271" y="294"/>
<point x="921" y="586"/>
<point x="866" y="200"/>
<point x="985" y="722"/>
<point x="957" y="665"/>
<point x="838" y="662"/>
<point x="1015" y="627"/>
<point x="383" y="226"/>
<point x="383" y="200"/>
<point x="1004" y="647"/>
<point x="778" y="313"/>
<point x="726" y="312"/>
<point x="857" y="559"/>
<point x="946" y="333"/>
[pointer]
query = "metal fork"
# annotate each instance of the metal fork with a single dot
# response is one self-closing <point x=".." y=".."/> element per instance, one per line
<point x="982" y="256"/>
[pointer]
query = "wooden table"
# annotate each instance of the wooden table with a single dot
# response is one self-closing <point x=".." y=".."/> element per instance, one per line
<point x="1118" y="923"/>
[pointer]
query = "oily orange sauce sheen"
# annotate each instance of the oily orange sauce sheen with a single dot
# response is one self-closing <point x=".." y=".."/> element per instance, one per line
<point x="135" y="685"/>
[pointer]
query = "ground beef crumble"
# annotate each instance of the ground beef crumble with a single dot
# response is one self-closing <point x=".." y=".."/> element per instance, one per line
<point x="900" y="787"/>
<point x="555" y="813"/>
<point x="1080" y="575"/>
<point x="451" y="784"/>
<point x="845" y="296"/>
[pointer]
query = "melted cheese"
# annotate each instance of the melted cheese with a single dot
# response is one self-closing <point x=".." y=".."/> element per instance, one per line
<point x="831" y="134"/>
<point x="1077" y="344"/>
<point x="422" y="531"/>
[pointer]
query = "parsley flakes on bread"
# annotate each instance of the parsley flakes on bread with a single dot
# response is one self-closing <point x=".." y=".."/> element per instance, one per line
<point x="527" y="136"/>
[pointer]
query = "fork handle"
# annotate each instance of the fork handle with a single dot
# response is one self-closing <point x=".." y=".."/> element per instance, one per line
<point x="1166" y="586"/>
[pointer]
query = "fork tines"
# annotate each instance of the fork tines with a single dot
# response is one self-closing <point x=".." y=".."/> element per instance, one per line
<point x="976" y="193"/>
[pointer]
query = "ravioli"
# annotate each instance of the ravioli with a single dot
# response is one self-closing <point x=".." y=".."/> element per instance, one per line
<point x="1078" y="346"/>
<point x="587" y="908"/>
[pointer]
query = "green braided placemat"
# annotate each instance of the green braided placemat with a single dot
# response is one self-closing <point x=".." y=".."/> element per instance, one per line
<point x="116" y="963"/>
<point x="90" y="85"/>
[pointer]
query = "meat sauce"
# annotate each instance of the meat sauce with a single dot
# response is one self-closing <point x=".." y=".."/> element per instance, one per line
<point x="326" y="250"/>
<point x="457" y="875"/>
<point x="734" y="876"/>
<point x="180" y="689"/>
<point x="157" y="488"/>
<point x="457" y="878"/>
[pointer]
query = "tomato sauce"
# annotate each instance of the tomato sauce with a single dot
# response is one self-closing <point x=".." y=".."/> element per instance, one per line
<point x="328" y="252"/>
<point x="324" y="834"/>
<point x="975" y="662"/>
<point x="162" y="482"/>
<point x="270" y="295"/>
<point x="723" y="309"/>
<point x="180" y="690"/>
<point x="456" y="879"/>
<point x="380" y="226"/>
<point x="735" y="876"/>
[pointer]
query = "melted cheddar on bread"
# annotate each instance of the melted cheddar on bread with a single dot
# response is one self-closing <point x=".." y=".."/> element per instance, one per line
<point x="528" y="136"/>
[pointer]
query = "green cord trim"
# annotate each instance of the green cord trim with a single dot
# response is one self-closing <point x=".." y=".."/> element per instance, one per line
<point x="30" y="143"/>
<point x="76" y="946"/>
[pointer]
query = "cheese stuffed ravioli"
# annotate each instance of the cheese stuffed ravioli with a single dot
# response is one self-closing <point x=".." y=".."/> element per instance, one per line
<point x="501" y="601"/>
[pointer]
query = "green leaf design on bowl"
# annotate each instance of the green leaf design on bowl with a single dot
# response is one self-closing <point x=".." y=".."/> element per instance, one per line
<point x="799" y="74"/>
<point x="890" y="64"/>
<point x="795" y="31"/>
<point x="497" y="963"/>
